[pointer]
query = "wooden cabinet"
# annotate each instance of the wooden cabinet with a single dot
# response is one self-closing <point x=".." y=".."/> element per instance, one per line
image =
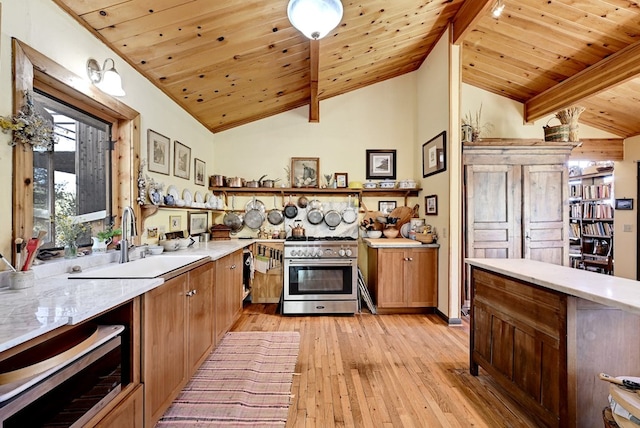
<point x="201" y="315"/>
<point x="268" y="278"/>
<point x="128" y="414"/>
<point x="516" y="198"/>
<point x="177" y="334"/>
<point x="229" y="291"/>
<point x="403" y="278"/>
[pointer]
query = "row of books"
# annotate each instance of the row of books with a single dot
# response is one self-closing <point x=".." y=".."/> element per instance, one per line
<point x="598" y="229"/>
<point x="590" y="210"/>
<point x="592" y="191"/>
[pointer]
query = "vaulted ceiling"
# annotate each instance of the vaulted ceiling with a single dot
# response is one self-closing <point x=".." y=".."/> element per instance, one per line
<point x="229" y="63"/>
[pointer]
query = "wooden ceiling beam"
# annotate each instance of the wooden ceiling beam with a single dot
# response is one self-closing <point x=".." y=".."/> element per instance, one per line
<point x="314" y="102"/>
<point x="614" y="70"/>
<point x="468" y="17"/>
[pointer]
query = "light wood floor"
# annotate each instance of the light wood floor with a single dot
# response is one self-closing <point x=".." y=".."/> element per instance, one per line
<point x="385" y="371"/>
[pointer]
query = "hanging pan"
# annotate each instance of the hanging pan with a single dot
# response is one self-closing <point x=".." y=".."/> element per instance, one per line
<point x="255" y="216"/>
<point x="275" y="216"/>
<point x="290" y="210"/>
<point x="350" y="214"/>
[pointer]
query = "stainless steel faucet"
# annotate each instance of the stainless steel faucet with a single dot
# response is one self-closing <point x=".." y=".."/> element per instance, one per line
<point x="128" y="220"/>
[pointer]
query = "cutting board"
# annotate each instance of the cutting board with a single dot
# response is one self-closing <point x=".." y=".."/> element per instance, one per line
<point x="395" y="242"/>
<point x="630" y="400"/>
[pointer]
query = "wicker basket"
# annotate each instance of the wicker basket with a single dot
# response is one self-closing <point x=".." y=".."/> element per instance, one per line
<point x="556" y="133"/>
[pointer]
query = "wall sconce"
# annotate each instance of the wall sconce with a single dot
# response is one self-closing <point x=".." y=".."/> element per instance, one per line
<point x="497" y="9"/>
<point x="107" y="80"/>
<point x="315" y="18"/>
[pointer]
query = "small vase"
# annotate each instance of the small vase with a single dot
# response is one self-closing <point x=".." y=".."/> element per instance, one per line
<point x="70" y="250"/>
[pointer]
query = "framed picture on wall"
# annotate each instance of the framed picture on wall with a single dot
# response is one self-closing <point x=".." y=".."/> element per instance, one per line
<point x="434" y="155"/>
<point x="431" y="205"/>
<point x="175" y="223"/>
<point x="386" y="207"/>
<point x="305" y="172"/>
<point x="381" y="164"/>
<point x="199" y="171"/>
<point x="181" y="160"/>
<point x="197" y="222"/>
<point x="341" y="179"/>
<point x="158" y="152"/>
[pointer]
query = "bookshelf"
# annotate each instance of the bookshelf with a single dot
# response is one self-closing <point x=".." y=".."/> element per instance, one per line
<point x="591" y="222"/>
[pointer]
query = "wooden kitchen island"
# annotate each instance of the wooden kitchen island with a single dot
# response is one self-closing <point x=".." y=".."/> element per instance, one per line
<point x="545" y="332"/>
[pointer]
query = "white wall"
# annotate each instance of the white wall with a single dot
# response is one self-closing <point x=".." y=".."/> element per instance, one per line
<point x="507" y="116"/>
<point x="433" y="117"/>
<point x="49" y="30"/>
<point x="625" y="175"/>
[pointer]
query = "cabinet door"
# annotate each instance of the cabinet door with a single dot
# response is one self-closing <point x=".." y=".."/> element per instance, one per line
<point x="545" y="217"/>
<point x="390" y="278"/>
<point x="164" y="349"/>
<point x="201" y="315"/>
<point x="421" y="277"/>
<point x="228" y="292"/>
<point x="127" y="414"/>
<point x="493" y="211"/>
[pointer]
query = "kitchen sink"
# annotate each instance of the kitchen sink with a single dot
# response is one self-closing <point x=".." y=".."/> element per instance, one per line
<point x="149" y="267"/>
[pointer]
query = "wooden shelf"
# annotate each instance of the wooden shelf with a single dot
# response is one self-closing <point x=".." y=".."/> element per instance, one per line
<point x="149" y="209"/>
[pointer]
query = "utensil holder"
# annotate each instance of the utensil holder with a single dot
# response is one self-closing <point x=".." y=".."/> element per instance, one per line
<point x="21" y="280"/>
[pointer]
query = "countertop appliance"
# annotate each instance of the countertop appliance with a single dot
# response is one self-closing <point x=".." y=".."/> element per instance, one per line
<point x="320" y="275"/>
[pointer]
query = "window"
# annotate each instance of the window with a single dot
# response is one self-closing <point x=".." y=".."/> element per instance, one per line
<point x="73" y="177"/>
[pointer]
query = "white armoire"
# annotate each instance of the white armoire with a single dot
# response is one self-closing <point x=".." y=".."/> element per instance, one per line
<point x="516" y="199"/>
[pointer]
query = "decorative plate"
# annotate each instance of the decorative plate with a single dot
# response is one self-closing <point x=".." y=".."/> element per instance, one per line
<point x="173" y="191"/>
<point x="188" y="198"/>
<point x="155" y="196"/>
<point x="198" y="197"/>
<point x="404" y="230"/>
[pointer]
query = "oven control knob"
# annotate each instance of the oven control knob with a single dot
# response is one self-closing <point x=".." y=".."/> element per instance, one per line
<point x="348" y="252"/>
<point x="294" y="253"/>
<point x="341" y="252"/>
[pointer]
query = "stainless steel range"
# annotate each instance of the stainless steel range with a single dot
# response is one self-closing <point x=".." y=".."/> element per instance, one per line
<point x="320" y="276"/>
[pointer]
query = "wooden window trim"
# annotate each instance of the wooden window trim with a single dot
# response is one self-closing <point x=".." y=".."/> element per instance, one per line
<point x="31" y="69"/>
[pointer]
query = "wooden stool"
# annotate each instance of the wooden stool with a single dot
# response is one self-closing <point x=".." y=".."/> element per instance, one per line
<point x="607" y="418"/>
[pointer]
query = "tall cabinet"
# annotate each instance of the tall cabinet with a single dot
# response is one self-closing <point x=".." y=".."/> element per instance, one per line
<point x="516" y="197"/>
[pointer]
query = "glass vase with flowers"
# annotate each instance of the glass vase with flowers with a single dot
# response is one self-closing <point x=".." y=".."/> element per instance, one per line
<point x="68" y="229"/>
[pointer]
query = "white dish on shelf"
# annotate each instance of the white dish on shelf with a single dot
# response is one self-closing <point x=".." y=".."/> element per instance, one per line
<point x="198" y="197"/>
<point x="404" y="230"/>
<point x="173" y="191"/>
<point x="188" y="198"/>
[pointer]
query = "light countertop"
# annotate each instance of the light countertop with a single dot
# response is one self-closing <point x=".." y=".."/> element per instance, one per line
<point x="607" y="290"/>
<point x="396" y="243"/>
<point x="55" y="300"/>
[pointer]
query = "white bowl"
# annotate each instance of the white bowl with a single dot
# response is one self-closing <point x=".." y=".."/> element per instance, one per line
<point x="374" y="234"/>
<point x="156" y="249"/>
<point x="369" y="185"/>
<point x="387" y="184"/>
<point x="170" y="244"/>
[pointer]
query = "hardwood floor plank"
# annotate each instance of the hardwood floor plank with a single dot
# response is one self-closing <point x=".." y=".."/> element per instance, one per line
<point x="385" y="371"/>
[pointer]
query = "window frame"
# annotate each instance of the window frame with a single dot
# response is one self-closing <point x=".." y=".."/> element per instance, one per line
<point x="31" y="69"/>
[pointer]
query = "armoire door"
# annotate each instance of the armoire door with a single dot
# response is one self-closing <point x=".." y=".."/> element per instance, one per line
<point x="493" y="211"/>
<point x="545" y="215"/>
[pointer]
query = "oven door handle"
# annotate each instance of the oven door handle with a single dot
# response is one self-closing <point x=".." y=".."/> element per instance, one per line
<point x="321" y="262"/>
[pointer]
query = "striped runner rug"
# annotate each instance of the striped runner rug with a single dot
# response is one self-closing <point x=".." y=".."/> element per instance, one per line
<point x="246" y="381"/>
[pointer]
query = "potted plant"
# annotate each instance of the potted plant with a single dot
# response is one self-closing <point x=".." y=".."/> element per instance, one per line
<point x="474" y="123"/>
<point x="67" y="231"/>
<point x="103" y="239"/>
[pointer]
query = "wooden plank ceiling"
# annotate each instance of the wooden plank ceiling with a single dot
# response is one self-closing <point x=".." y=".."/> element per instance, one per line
<point x="229" y="63"/>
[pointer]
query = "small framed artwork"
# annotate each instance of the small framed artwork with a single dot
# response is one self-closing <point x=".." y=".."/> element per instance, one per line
<point x="624" y="204"/>
<point x="305" y="172"/>
<point x="175" y="223"/>
<point x="341" y="179"/>
<point x="199" y="171"/>
<point x="386" y="207"/>
<point x="434" y="155"/>
<point x="431" y="205"/>
<point x="158" y="152"/>
<point x="197" y="222"/>
<point x="181" y="160"/>
<point x="381" y="164"/>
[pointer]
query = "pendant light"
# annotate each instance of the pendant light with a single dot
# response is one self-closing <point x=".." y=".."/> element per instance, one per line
<point x="315" y="18"/>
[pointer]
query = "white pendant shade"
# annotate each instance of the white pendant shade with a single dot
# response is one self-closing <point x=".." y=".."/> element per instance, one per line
<point x="315" y="18"/>
<point x="111" y="83"/>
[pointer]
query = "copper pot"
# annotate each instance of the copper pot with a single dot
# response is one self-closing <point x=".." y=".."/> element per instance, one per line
<point x="235" y="182"/>
<point x="297" y="231"/>
<point x="217" y="181"/>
